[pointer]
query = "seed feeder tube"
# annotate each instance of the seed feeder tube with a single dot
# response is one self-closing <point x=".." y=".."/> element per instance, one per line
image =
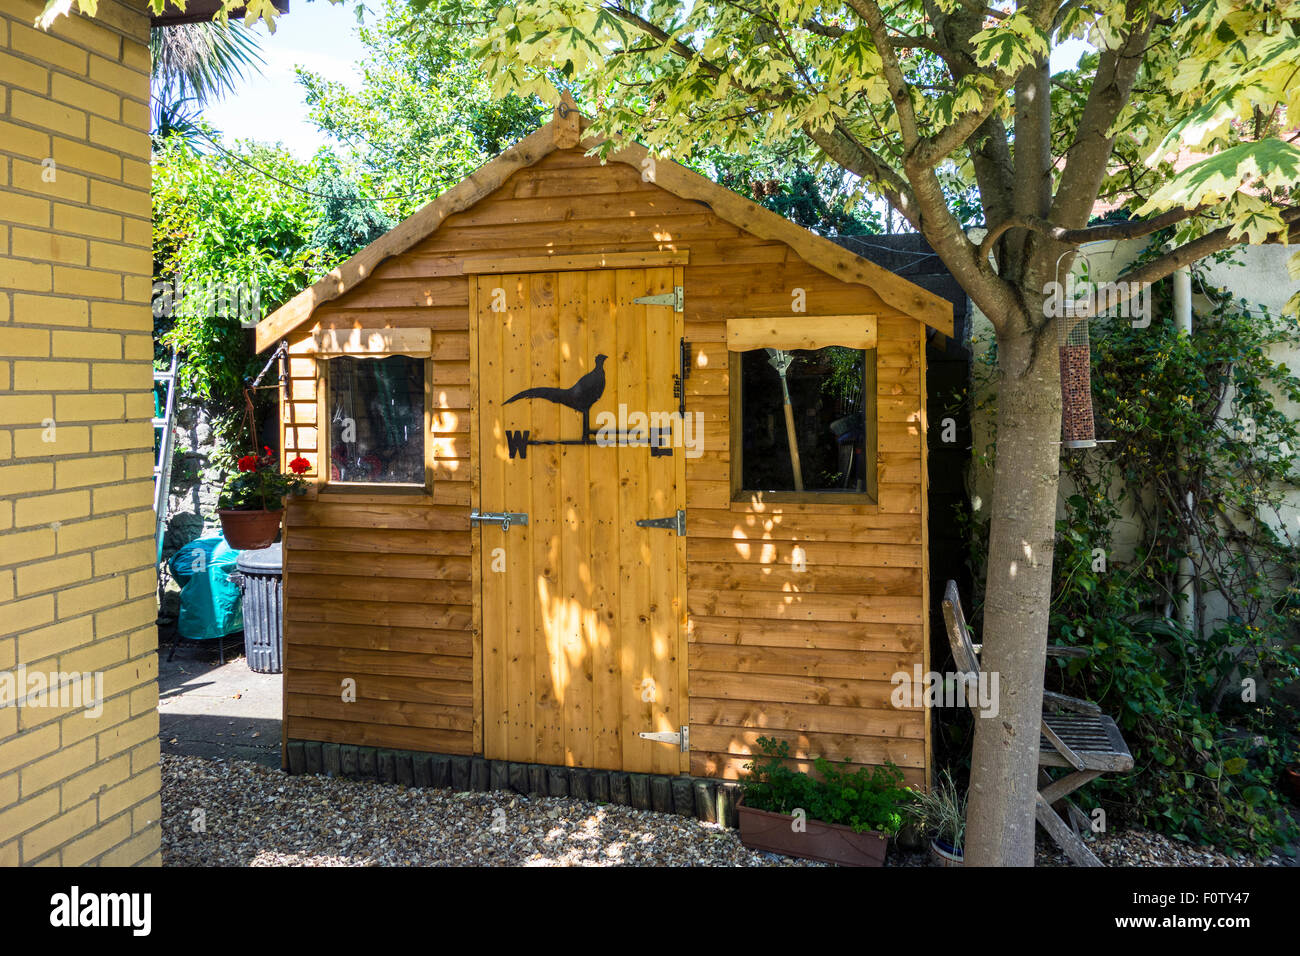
<point x="1078" y="429"/>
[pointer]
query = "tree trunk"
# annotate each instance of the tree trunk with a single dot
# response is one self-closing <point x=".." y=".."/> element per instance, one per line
<point x="1004" y="764"/>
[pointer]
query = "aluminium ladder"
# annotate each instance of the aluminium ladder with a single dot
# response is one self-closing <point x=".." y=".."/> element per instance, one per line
<point x="162" y="470"/>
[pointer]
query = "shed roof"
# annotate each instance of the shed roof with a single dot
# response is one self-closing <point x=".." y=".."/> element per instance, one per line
<point x="822" y="253"/>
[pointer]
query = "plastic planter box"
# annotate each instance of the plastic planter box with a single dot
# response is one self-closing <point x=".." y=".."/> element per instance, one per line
<point x="827" y="842"/>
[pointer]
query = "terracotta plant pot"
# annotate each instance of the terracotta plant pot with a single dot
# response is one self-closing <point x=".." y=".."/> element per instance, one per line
<point x="249" y="530"/>
<point x="945" y="855"/>
<point x="827" y="842"/>
<point x="1291" y="783"/>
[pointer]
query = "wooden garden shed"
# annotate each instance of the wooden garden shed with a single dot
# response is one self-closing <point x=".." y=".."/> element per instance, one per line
<point x="615" y="356"/>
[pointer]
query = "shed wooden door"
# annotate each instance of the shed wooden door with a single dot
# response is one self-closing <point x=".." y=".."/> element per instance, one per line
<point x="582" y="610"/>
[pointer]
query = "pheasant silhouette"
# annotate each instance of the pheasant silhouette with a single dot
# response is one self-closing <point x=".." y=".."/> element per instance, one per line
<point x="580" y="396"/>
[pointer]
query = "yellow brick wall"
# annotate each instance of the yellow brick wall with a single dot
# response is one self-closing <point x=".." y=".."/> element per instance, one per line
<point x="76" y="522"/>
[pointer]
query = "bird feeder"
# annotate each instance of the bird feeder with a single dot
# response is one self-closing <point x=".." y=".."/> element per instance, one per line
<point x="1077" y="427"/>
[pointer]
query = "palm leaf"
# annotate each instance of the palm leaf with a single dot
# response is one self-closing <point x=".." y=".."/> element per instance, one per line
<point x="176" y="118"/>
<point x="200" y="62"/>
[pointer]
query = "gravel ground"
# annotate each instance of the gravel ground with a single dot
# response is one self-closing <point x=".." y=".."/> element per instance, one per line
<point x="257" y="816"/>
<point x="253" y="815"/>
<point x="1132" y="846"/>
<point x="1138" y="847"/>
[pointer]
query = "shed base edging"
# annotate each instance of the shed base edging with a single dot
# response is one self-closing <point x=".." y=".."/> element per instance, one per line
<point x="707" y="799"/>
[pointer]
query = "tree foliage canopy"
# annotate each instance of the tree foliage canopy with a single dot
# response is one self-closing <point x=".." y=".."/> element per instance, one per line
<point x="425" y="115"/>
<point x="218" y="226"/>
<point x="905" y="94"/>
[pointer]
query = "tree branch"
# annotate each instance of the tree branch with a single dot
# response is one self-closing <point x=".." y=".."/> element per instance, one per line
<point x="1132" y="229"/>
<point x="845" y="148"/>
<point x="651" y="30"/>
<point x="898" y="91"/>
<point x="1185" y="255"/>
<point x="1033" y="163"/>
<point x="1085" y="165"/>
<point x="1128" y="284"/>
<point x="823" y="29"/>
<point x="994" y="170"/>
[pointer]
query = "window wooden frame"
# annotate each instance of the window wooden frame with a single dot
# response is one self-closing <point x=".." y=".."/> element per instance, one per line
<point x="801" y="332"/>
<point x="325" y="344"/>
<point x="806" y="333"/>
<point x="419" y="492"/>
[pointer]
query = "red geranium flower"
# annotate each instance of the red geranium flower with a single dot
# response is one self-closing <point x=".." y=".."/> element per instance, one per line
<point x="299" y="465"/>
<point x="248" y="463"/>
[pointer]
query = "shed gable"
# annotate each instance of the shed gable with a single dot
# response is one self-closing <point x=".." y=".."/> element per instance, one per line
<point x="668" y="177"/>
<point x="571" y="204"/>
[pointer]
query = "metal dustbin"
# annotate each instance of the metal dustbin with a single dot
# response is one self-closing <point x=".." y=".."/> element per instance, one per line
<point x="260" y="577"/>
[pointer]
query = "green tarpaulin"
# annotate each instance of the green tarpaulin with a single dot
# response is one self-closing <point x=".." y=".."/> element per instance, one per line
<point x="211" y="604"/>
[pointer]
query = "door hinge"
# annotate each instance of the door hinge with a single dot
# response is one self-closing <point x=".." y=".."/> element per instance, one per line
<point x="504" y="518"/>
<point x="681" y="738"/>
<point x="676" y="299"/>
<point x="675" y="522"/>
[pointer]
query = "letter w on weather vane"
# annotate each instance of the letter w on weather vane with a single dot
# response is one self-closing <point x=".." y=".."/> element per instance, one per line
<point x="581" y="396"/>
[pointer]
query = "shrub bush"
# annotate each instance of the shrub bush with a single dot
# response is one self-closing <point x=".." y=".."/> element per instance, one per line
<point x="862" y="799"/>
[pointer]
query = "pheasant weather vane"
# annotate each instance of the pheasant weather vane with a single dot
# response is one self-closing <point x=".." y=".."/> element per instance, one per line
<point x="581" y="396"/>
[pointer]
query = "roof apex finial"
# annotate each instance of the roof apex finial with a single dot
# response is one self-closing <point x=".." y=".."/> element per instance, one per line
<point x="566" y="125"/>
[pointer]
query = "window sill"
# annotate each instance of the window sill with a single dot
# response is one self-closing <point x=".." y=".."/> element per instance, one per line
<point x="360" y="492"/>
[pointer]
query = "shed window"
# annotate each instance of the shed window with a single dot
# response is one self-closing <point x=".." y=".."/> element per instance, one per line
<point x="828" y="396"/>
<point x="376" y="420"/>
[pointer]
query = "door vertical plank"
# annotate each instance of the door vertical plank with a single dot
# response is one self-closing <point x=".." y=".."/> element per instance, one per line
<point x="682" y="702"/>
<point x="641" y="691"/>
<point x="516" y="371"/>
<point x="492" y="465"/>
<point x="576" y="515"/>
<point x="659" y="571"/>
<point x="549" y="421"/>
<point x="603" y="518"/>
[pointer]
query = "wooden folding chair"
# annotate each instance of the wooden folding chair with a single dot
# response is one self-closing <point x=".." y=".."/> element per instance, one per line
<point x="1075" y="735"/>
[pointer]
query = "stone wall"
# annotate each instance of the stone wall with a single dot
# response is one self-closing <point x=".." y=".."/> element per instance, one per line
<point x="196" y="480"/>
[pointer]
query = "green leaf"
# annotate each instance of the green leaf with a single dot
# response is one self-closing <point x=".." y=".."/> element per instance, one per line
<point x="1270" y="163"/>
<point x="1011" y="45"/>
<point x="1254" y="795"/>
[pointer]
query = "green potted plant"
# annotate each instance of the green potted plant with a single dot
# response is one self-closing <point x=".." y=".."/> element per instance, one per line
<point x="941" y="815"/>
<point x="252" y="501"/>
<point x="838" y="816"/>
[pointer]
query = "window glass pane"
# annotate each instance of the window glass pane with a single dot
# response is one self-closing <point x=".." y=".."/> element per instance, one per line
<point x="376" y="409"/>
<point x="823" y="396"/>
